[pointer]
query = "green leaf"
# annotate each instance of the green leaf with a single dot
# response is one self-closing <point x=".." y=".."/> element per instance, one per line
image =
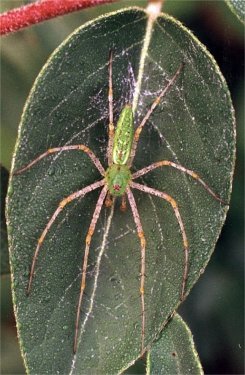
<point x="238" y="8"/>
<point x="174" y="352"/>
<point x="193" y="126"/>
<point x="4" y="238"/>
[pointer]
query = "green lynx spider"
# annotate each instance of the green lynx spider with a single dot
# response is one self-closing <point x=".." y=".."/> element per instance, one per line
<point x="117" y="181"/>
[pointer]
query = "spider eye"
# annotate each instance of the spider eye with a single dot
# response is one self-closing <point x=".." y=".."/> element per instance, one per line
<point x="116" y="187"/>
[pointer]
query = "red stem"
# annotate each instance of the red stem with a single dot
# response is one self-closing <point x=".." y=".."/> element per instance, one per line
<point x="41" y="10"/>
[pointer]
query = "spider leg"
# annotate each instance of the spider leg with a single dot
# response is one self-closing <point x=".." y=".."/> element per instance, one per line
<point x="96" y="214"/>
<point x="110" y="100"/>
<point x="84" y="148"/>
<point x="191" y="173"/>
<point x="142" y="272"/>
<point x="123" y="206"/>
<point x="174" y="205"/>
<point x="148" y="114"/>
<point x="108" y="200"/>
<point x="62" y="204"/>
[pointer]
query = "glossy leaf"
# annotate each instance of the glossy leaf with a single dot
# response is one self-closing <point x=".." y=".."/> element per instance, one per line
<point x="238" y="8"/>
<point x="4" y="239"/>
<point x="174" y="352"/>
<point x="193" y="126"/>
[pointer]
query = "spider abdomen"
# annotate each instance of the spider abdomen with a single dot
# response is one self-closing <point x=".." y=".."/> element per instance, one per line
<point x="123" y="136"/>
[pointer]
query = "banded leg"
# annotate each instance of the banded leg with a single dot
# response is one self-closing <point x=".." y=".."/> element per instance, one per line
<point x="110" y="100"/>
<point x="148" y="114"/>
<point x="84" y="148"/>
<point x="62" y="204"/>
<point x="142" y="272"/>
<point x="174" y="205"/>
<point x="191" y="173"/>
<point x="96" y="214"/>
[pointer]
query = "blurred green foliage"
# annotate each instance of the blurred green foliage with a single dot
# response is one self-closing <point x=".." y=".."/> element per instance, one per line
<point x="214" y="309"/>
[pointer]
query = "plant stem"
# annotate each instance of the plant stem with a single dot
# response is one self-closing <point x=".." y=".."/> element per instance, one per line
<point x="41" y="10"/>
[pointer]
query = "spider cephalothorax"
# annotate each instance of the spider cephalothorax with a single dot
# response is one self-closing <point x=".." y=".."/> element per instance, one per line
<point x="117" y="180"/>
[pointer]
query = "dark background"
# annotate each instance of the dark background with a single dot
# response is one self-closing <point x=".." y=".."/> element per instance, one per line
<point x="214" y="310"/>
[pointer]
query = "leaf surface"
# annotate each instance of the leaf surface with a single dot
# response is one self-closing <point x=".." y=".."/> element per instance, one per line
<point x="4" y="240"/>
<point x="238" y="8"/>
<point x="193" y="126"/>
<point x="174" y="352"/>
